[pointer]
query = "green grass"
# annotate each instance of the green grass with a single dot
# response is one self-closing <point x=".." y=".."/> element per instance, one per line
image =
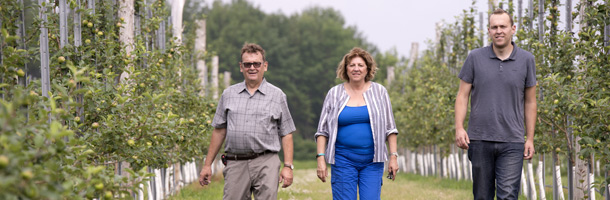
<point x="306" y="185"/>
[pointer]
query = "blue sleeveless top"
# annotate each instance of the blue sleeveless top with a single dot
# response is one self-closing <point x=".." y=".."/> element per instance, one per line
<point x="355" y="134"/>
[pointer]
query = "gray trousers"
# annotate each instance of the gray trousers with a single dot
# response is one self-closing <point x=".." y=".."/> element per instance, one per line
<point x="258" y="177"/>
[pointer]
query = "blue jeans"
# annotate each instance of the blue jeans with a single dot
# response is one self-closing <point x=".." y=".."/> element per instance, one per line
<point x="354" y="174"/>
<point x="496" y="165"/>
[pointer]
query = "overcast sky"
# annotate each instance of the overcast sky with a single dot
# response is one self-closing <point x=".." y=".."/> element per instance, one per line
<point x="387" y="23"/>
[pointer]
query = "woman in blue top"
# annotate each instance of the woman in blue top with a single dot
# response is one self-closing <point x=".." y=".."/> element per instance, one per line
<point x="355" y="124"/>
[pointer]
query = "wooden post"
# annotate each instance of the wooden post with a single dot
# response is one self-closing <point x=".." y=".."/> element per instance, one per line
<point x="215" y="77"/>
<point x="200" y="53"/>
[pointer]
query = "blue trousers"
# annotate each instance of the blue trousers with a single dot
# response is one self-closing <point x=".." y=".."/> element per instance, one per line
<point x="496" y="166"/>
<point x="354" y="174"/>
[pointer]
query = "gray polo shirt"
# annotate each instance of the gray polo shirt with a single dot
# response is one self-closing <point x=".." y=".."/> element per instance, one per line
<point x="498" y="93"/>
<point x="255" y="123"/>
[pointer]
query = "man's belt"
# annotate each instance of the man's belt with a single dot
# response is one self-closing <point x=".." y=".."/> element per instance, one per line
<point x="249" y="156"/>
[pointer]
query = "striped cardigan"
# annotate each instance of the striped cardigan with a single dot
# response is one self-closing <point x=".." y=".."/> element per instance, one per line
<point x="380" y="113"/>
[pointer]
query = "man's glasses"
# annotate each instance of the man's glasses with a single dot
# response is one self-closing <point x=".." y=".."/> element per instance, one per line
<point x="248" y="64"/>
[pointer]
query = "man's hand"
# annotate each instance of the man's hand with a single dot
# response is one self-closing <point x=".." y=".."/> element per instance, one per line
<point x="529" y="151"/>
<point x="461" y="138"/>
<point x="321" y="171"/>
<point x="393" y="166"/>
<point x="286" y="177"/>
<point x="205" y="176"/>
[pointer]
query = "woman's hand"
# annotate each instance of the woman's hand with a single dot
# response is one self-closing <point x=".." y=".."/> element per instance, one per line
<point x="393" y="166"/>
<point x="321" y="171"/>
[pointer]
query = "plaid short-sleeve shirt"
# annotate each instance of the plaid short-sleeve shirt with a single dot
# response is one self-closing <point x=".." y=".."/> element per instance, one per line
<point x="254" y="122"/>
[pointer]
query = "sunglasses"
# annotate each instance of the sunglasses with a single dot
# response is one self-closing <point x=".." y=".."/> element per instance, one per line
<point x="248" y="64"/>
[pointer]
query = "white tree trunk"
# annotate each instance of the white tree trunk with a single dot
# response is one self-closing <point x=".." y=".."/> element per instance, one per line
<point x="466" y="167"/>
<point x="580" y="174"/>
<point x="413" y="162"/>
<point x="401" y="164"/>
<point x="177" y="8"/>
<point x="452" y="173"/>
<point x="390" y="76"/>
<point x="425" y="161"/>
<point x="445" y="169"/>
<point x="126" y="32"/>
<point x="597" y="169"/>
<point x="413" y="56"/>
<point x="227" y="79"/>
<point x="200" y="53"/>
<point x="458" y="166"/>
<point x="215" y="77"/>
<point x="591" y="187"/>
<point x="540" y="172"/>
<point x="158" y="184"/>
<point x="420" y="160"/>
<point x="524" y="183"/>
<point x="150" y="189"/>
<point x="433" y="162"/>
<point x="530" y="179"/>
<point x="558" y="178"/>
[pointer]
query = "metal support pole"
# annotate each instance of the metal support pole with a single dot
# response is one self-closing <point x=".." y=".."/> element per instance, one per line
<point x="77" y="26"/>
<point x="44" y="53"/>
<point x="520" y="14"/>
<point x="21" y="34"/>
<point x="530" y="14"/>
<point x="63" y="23"/>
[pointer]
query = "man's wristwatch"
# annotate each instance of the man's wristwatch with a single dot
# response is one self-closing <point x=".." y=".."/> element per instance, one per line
<point x="394" y="154"/>
<point x="289" y="166"/>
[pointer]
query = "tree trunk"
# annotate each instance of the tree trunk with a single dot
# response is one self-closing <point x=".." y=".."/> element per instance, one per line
<point x="530" y="179"/>
<point x="215" y="77"/>
<point x="540" y="172"/>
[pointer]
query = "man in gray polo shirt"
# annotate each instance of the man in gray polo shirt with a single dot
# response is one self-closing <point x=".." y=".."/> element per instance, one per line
<point x="501" y="81"/>
<point x="253" y="117"/>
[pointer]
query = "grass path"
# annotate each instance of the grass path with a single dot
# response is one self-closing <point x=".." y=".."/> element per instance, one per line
<point x="307" y="186"/>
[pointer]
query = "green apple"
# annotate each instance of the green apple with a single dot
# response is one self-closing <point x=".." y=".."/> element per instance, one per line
<point x="99" y="186"/>
<point x="4" y="161"/>
<point x="61" y="59"/>
<point x="130" y="142"/>
<point x="20" y="72"/>
<point x="95" y="125"/>
<point x="27" y="174"/>
<point x="89" y="24"/>
<point x="108" y="195"/>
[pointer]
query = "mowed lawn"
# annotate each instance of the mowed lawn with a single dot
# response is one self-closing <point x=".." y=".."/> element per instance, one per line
<point x="307" y="186"/>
